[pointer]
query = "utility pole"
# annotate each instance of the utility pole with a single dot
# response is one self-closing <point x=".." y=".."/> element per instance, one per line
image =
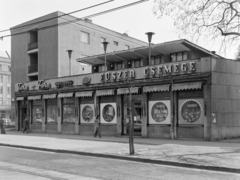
<point x="131" y="142"/>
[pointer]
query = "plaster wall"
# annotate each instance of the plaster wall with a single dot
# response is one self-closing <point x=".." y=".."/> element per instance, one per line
<point x="225" y="99"/>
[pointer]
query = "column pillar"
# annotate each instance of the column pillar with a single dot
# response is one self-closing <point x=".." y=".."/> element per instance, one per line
<point x="119" y="115"/>
<point x="144" y="114"/>
<point x="60" y="114"/>
<point x="77" y="115"/>
<point x="44" y="114"/>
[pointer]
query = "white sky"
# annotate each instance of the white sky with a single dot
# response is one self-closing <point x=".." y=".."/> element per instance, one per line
<point x="135" y="20"/>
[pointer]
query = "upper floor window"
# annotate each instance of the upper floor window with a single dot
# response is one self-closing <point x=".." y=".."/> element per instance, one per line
<point x="8" y="101"/>
<point x="1" y="78"/>
<point x="118" y="66"/>
<point x="157" y="60"/>
<point x="1" y="89"/>
<point x="8" y="79"/>
<point x="115" y="43"/>
<point x="180" y="56"/>
<point x="9" y="68"/>
<point x="8" y="90"/>
<point x="127" y="47"/>
<point x="1" y="101"/>
<point x="136" y="63"/>
<point x="85" y="37"/>
<point x="101" y="68"/>
<point x="0" y="67"/>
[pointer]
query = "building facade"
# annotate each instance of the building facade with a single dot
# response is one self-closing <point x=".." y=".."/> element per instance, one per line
<point x="5" y="87"/>
<point x="39" y="47"/>
<point x="184" y="91"/>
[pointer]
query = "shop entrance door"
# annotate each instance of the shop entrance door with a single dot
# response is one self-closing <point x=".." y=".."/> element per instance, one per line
<point x="22" y="114"/>
<point x="136" y="114"/>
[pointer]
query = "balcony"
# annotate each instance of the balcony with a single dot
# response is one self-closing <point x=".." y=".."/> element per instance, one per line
<point x="33" y="68"/>
<point x="32" y="46"/>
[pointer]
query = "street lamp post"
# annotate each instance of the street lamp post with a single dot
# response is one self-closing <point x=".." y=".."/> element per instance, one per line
<point x="69" y="55"/>
<point x="149" y="34"/>
<point x="105" y="50"/>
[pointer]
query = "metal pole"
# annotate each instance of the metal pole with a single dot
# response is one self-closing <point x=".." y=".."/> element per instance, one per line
<point x="149" y="53"/>
<point x="105" y="60"/>
<point x="131" y="146"/>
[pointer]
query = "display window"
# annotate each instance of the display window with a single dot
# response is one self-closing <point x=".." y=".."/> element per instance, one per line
<point x="87" y="113"/>
<point x="108" y="113"/>
<point x="52" y="109"/>
<point x="37" y="114"/>
<point x="69" y="110"/>
<point x="159" y="112"/>
<point x="191" y="111"/>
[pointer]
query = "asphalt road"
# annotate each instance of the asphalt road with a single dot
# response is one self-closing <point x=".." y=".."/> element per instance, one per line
<point x="26" y="164"/>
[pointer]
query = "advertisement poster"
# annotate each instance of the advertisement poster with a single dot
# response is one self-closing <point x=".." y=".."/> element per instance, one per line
<point x="159" y="112"/>
<point x="191" y="111"/>
<point x="108" y="113"/>
<point x="87" y="113"/>
<point x="37" y="114"/>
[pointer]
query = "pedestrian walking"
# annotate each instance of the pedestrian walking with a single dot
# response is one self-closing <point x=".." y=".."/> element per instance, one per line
<point x="26" y="124"/>
<point x="2" y="126"/>
<point x="97" y="127"/>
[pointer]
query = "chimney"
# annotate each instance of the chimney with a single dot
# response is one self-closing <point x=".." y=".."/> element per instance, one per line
<point x="214" y="52"/>
<point x="88" y="20"/>
<point x="125" y="34"/>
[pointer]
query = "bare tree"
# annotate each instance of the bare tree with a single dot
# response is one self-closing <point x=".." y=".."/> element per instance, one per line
<point x="208" y="19"/>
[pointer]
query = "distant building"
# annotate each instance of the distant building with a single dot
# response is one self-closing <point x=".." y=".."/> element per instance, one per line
<point x="39" y="50"/>
<point x="5" y="87"/>
<point x="183" y="92"/>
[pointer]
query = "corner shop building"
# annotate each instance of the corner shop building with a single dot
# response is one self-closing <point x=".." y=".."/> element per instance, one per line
<point x="185" y="92"/>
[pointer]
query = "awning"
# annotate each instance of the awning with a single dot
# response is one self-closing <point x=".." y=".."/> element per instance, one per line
<point x="84" y="94"/>
<point x="186" y="86"/>
<point x="134" y="90"/>
<point x="156" y="88"/>
<point x="49" y="96"/>
<point x="20" y="98"/>
<point x="34" y="97"/>
<point x="64" y="95"/>
<point x="107" y="92"/>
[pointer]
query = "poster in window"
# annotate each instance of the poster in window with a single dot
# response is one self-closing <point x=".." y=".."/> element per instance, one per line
<point x="159" y="112"/>
<point x="69" y="113"/>
<point x="87" y="113"/>
<point x="191" y="111"/>
<point x="108" y="113"/>
<point x="37" y="114"/>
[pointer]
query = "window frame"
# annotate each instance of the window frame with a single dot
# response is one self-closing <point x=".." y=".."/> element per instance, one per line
<point x="82" y="39"/>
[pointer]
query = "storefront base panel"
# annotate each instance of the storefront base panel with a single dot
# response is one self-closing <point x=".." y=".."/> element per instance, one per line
<point x="158" y="131"/>
<point x="36" y="127"/>
<point x="86" y="129"/>
<point x="191" y="132"/>
<point x="225" y="132"/>
<point x="51" y="128"/>
<point x="68" y="128"/>
<point x="108" y="130"/>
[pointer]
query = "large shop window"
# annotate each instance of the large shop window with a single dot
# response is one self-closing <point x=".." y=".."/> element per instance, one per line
<point x="69" y="110"/>
<point x="37" y="114"/>
<point x="52" y="109"/>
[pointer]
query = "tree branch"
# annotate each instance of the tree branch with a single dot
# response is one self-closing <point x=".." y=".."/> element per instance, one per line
<point x="228" y="33"/>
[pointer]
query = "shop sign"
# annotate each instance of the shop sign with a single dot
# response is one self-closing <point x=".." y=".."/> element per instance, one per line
<point x="117" y="76"/>
<point x="44" y="85"/>
<point x="176" y="68"/>
<point x="86" y="80"/>
<point x="64" y="84"/>
<point x="22" y="87"/>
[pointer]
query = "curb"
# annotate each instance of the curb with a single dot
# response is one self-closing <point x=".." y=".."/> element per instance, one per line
<point x="142" y="160"/>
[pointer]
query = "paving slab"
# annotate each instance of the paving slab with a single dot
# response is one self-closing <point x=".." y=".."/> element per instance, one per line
<point x="202" y="157"/>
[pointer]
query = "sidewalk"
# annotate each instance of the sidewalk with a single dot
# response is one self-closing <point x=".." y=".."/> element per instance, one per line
<point x="217" y="156"/>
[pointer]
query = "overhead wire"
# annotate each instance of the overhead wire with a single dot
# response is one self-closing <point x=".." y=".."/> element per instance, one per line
<point x="89" y="7"/>
<point x="79" y="19"/>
